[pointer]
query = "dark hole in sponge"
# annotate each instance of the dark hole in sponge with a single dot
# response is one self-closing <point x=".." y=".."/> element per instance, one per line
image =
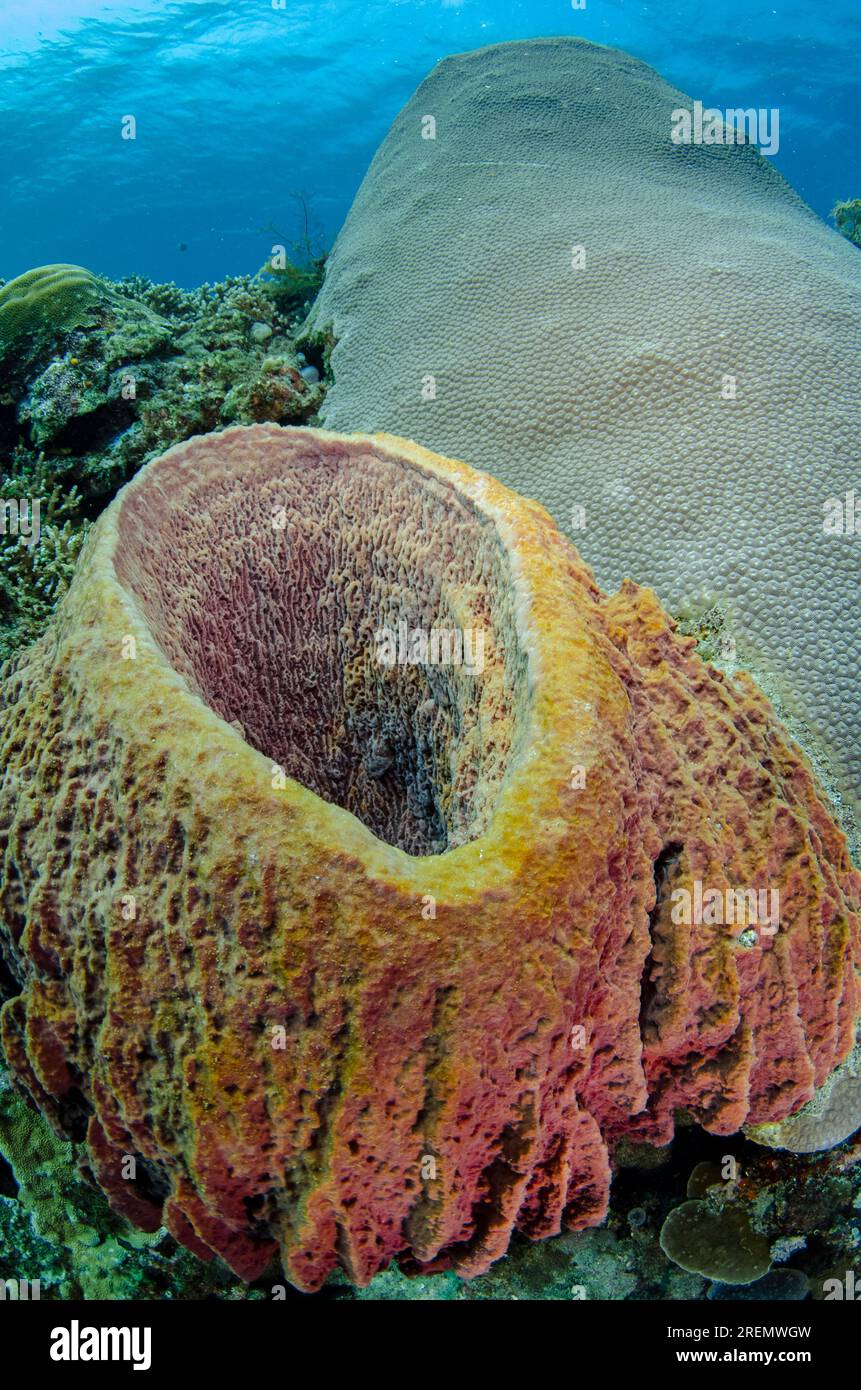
<point x="663" y="870"/>
<point x="150" y="1181"/>
<point x="10" y="986"/>
<point x="267" y="578"/>
<point x="74" y="1111"/>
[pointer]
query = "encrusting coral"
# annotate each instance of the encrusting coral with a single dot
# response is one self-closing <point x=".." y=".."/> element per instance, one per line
<point x="361" y="958"/>
<point x="712" y="1234"/>
<point x="832" y="1115"/>
<point x="45" y="301"/>
<point x="55" y="1226"/>
<point x="83" y="406"/>
<point x="719" y="1244"/>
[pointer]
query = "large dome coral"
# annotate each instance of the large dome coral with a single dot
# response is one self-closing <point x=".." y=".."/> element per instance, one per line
<point x="364" y="953"/>
<point x="658" y="337"/>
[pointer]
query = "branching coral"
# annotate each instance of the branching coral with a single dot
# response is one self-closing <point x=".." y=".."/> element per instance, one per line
<point x="343" y="959"/>
<point x="35" y="570"/>
<point x="81" y="408"/>
<point x="160" y="365"/>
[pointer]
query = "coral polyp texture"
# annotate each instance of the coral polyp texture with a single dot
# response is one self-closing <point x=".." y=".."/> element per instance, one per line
<point x="45" y="301"/>
<point x="536" y="276"/>
<point x="363" y="956"/>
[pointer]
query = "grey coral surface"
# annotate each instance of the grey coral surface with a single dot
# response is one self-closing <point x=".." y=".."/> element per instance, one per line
<point x="661" y="334"/>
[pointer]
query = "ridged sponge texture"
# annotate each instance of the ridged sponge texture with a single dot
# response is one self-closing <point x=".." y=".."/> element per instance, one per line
<point x="690" y="377"/>
<point x="360" y="960"/>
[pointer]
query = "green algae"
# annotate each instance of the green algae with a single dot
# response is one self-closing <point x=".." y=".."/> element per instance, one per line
<point x="293" y="272"/>
<point x="847" y="215"/>
<point x="293" y="286"/>
<point x="57" y="1228"/>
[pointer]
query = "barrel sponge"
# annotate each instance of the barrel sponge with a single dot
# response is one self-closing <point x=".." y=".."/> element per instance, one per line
<point x="363" y="959"/>
<point x="695" y="386"/>
<point x="47" y="300"/>
<point x="833" y="1114"/>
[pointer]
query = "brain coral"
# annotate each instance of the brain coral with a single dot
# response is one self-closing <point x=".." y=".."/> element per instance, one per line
<point x="691" y="377"/>
<point x="45" y="301"/>
<point x="363" y="959"/>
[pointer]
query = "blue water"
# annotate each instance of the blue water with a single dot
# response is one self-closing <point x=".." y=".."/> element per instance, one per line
<point x="241" y="107"/>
